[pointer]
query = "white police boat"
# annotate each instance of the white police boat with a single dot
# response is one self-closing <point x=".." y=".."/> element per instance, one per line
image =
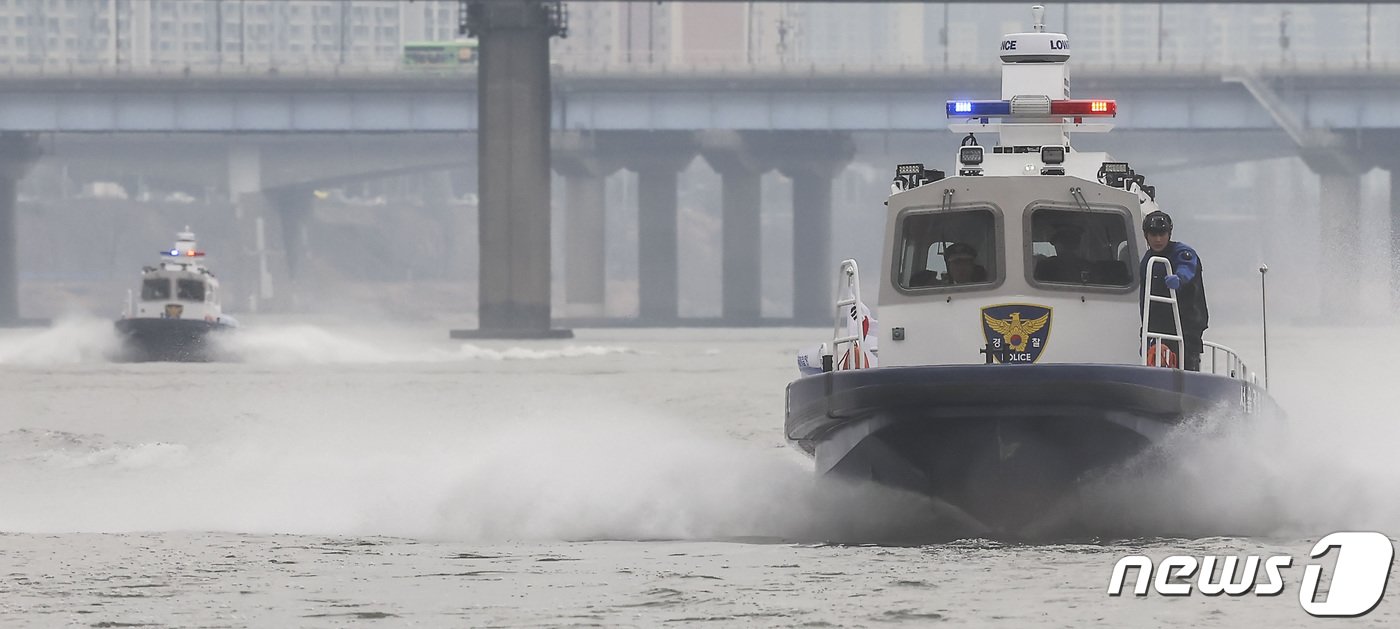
<point x="177" y="311"/>
<point x="1008" y="365"/>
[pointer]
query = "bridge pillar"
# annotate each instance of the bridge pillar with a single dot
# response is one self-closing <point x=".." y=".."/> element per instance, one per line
<point x="812" y="161"/>
<point x="250" y="210"/>
<point x="658" y="271"/>
<point x="18" y="153"/>
<point x="244" y="175"/>
<point x="578" y="158"/>
<point x="1394" y="235"/>
<point x="657" y="157"/>
<point x="740" y="169"/>
<point x="514" y="121"/>
<point x="585" y="244"/>
<point x="293" y="206"/>
<point x="1340" y="226"/>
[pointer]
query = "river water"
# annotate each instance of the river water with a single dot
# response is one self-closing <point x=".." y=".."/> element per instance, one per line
<point x="363" y="474"/>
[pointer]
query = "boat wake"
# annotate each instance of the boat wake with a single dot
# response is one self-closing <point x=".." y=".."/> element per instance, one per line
<point x="648" y="479"/>
<point x="611" y="473"/>
<point x="309" y="344"/>
<point x="71" y="340"/>
<point x="1223" y="476"/>
<point x="84" y="339"/>
<point x="600" y="475"/>
<point x="61" y="450"/>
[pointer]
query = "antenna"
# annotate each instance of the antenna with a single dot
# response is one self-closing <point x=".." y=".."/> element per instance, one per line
<point x="1264" y="307"/>
<point x="1038" y="17"/>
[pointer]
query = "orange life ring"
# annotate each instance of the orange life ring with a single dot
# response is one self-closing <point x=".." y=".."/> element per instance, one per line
<point x="1160" y="355"/>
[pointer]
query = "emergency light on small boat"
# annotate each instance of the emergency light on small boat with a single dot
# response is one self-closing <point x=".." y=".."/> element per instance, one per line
<point x="177" y="253"/>
<point x="1021" y="106"/>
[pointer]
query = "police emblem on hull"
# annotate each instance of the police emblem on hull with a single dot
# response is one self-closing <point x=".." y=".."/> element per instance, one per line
<point x="1016" y="333"/>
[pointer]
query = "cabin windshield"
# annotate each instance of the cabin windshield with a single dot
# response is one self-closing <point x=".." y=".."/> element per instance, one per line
<point x="945" y="249"/>
<point x="155" y="289"/>
<point x="1081" y="248"/>
<point x="189" y="290"/>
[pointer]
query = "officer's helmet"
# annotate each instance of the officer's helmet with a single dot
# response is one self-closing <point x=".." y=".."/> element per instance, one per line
<point x="1157" y="222"/>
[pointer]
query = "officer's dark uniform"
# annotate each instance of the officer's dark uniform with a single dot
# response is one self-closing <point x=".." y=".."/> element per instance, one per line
<point x="1191" y="298"/>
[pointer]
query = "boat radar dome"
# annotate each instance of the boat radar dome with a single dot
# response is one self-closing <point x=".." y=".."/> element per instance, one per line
<point x="1035" y="47"/>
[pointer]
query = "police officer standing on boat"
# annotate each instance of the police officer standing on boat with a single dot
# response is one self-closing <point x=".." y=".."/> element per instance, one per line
<point x="1185" y="279"/>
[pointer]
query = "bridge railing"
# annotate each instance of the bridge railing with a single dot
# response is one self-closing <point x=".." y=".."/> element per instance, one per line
<point x="699" y="66"/>
<point x="59" y="70"/>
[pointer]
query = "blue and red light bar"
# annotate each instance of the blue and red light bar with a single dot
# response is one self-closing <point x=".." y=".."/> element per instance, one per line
<point x="1002" y="108"/>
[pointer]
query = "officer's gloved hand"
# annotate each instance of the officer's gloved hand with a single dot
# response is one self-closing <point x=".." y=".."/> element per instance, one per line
<point x="1173" y="282"/>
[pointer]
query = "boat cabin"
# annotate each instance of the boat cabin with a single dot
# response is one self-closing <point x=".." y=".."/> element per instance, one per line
<point x="180" y="287"/>
<point x="1028" y="251"/>
<point x="954" y="247"/>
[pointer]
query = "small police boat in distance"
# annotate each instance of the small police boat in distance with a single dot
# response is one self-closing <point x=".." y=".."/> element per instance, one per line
<point x="177" y="311"/>
<point x="1008" y="367"/>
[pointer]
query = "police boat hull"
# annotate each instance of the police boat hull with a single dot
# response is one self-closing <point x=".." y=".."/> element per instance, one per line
<point x="1004" y="444"/>
<point x="169" y="340"/>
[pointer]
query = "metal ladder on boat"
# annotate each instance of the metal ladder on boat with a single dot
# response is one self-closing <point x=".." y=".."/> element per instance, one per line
<point x="1233" y="365"/>
<point x="1160" y="337"/>
<point x="848" y="296"/>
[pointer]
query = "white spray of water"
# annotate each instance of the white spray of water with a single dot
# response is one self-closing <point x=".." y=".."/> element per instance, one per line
<point x="307" y="344"/>
<point x="648" y="478"/>
<point x="72" y="339"/>
<point x="1326" y="462"/>
<point x="603" y="466"/>
<point x="82" y="338"/>
<point x="603" y="473"/>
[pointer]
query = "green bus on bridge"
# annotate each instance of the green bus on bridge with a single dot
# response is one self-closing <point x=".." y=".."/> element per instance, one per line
<point x="461" y="52"/>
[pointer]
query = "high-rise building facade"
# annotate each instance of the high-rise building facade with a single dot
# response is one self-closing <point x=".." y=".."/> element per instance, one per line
<point x="139" y="33"/>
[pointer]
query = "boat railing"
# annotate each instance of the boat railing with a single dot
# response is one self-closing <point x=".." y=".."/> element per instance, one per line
<point x="1223" y="360"/>
<point x="847" y="303"/>
<point x="1160" y="337"/>
<point x="1226" y="362"/>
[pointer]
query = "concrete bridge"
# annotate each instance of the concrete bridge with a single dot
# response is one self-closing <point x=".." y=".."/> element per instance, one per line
<point x="870" y="99"/>
<point x="291" y="131"/>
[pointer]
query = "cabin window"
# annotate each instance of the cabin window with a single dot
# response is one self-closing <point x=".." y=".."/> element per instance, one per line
<point x="945" y="249"/>
<point x="1081" y="248"/>
<point x="155" y="289"/>
<point x="189" y="290"/>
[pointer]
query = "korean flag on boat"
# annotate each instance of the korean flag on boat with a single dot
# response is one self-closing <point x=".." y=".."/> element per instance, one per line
<point x="860" y="354"/>
<point x="864" y="328"/>
<point x="1016" y="333"/>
